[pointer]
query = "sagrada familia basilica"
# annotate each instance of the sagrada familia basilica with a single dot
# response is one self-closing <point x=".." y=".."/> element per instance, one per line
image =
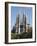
<point x="21" y="23"/>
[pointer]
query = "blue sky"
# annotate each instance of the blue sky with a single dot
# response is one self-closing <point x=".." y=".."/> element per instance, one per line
<point x="26" y="10"/>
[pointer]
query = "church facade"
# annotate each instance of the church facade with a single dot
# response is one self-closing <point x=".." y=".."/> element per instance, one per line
<point x="21" y="23"/>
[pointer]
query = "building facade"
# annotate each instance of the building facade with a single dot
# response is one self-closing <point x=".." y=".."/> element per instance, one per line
<point x="21" y="23"/>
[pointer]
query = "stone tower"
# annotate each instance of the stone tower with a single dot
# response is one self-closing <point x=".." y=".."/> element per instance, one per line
<point x="20" y="23"/>
<point x="17" y="23"/>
